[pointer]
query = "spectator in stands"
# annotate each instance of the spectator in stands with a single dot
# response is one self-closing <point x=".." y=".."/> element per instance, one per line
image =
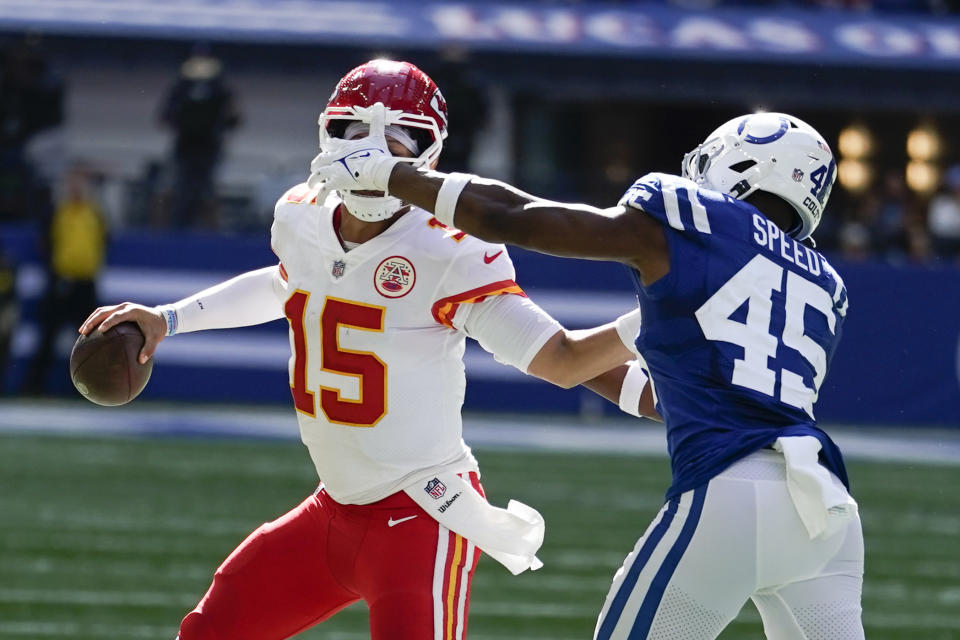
<point x="75" y="244"/>
<point x="893" y="213"/>
<point x="855" y="241"/>
<point x="919" y="246"/>
<point x="31" y="101"/>
<point x="884" y="214"/>
<point x="199" y="109"/>
<point x="9" y="312"/>
<point x="943" y="216"/>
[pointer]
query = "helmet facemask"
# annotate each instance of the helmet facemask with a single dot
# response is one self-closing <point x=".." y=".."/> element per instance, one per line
<point x="375" y="206"/>
<point x="413" y="102"/>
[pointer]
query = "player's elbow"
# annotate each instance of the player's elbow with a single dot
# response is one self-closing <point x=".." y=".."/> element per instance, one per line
<point x="566" y="374"/>
<point x="561" y="380"/>
<point x="557" y="362"/>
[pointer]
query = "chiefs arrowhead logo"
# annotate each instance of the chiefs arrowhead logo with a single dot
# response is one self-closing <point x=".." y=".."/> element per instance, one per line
<point x="395" y="277"/>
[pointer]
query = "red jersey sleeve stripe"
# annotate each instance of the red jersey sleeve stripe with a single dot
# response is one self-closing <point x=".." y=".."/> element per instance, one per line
<point x="445" y="308"/>
<point x="283" y="273"/>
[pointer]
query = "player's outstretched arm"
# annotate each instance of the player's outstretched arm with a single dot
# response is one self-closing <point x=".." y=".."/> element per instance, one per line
<point x="251" y="298"/>
<point x="497" y="212"/>
<point x="570" y="358"/>
<point x="519" y="333"/>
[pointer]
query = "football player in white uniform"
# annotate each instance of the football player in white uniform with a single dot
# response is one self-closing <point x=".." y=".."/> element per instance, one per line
<point x="380" y="297"/>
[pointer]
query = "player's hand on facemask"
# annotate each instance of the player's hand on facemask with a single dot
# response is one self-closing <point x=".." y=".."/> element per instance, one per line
<point x="361" y="164"/>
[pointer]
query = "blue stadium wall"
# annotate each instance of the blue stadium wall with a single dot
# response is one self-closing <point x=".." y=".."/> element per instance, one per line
<point x="898" y="362"/>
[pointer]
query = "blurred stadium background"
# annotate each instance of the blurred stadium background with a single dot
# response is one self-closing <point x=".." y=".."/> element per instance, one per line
<point x="112" y="521"/>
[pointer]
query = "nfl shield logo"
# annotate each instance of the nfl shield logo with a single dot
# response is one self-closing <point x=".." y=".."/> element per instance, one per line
<point x="435" y="488"/>
<point x="338" y="267"/>
<point x="797" y="175"/>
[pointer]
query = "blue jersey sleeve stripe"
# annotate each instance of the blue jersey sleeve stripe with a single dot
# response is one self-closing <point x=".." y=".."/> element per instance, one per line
<point x="700" y="219"/>
<point x="691" y="208"/>
<point x="671" y="206"/>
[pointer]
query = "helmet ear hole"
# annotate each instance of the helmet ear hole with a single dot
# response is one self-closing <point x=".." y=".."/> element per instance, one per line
<point x="743" y="165"/>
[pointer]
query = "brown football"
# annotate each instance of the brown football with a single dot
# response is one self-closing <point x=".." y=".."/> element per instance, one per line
<point x="104" y="366"/>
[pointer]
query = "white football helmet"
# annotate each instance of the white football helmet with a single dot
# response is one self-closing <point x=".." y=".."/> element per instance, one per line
<point x="413" y="102"/>
<point x="772" y="152"/>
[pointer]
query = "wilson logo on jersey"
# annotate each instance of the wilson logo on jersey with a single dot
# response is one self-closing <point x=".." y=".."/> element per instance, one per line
<point x="435" y="488"/>
<point x="394" y="277"/>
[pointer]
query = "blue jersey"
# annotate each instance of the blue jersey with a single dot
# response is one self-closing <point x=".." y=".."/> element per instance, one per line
<point x="738" y="335"/>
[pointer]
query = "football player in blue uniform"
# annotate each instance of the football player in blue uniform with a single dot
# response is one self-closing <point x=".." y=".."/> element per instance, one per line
<point x="740" y="319"/>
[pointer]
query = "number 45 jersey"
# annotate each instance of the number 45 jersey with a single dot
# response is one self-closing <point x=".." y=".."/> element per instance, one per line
<point x="376" y="368"/>
<point x="738" y="335"/>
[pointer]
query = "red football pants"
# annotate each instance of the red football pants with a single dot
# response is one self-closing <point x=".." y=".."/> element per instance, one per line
<point x="300" y="569"/>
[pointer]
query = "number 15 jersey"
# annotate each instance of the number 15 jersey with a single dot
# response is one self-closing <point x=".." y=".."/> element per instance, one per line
<point x="376" y="367"/>
<point x="738" y="335"/>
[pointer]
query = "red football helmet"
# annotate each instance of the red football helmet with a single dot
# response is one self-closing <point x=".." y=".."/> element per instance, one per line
<point x="412" y="100"/>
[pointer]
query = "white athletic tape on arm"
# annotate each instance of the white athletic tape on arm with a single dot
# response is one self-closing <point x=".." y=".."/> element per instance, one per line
<point x="633" y="385"/>
<point x="628" y="327"/>
<point x="449" y="193"/>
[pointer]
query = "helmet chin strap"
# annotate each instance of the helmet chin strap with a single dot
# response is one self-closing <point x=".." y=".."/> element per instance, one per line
<point x="370" y="209"/>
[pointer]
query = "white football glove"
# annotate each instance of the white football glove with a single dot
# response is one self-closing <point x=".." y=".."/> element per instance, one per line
<point x="356" y="165"/>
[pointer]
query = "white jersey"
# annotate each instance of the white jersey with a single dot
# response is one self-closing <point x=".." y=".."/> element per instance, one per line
<point x="376" y="367"/>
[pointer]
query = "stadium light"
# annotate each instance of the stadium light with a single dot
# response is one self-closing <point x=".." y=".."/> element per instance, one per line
<point x="922" y="177"/>
<point x="855" y="175"/>
<point x="923" y="143"/>
<point x="855" y="142"/>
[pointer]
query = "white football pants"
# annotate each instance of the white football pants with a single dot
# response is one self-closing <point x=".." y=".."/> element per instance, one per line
<point x="711" y="549"/>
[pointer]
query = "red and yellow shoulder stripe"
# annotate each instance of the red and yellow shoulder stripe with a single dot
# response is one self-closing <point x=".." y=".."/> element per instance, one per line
<point x="445" y="308"/>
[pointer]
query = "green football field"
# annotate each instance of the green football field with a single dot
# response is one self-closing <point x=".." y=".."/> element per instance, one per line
<point x="118" y="537"/>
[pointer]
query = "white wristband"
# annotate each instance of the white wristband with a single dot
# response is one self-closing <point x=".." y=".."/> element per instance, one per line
<point x="169" y="315"/>
<point x="449" y="193"/>
<point x="628" y="327"/>
<point x="633" y="385"/>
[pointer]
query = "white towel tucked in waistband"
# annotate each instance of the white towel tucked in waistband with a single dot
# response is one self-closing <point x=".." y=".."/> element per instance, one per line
<point x="820" y="498"/>
<point x="510" y="536"/>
